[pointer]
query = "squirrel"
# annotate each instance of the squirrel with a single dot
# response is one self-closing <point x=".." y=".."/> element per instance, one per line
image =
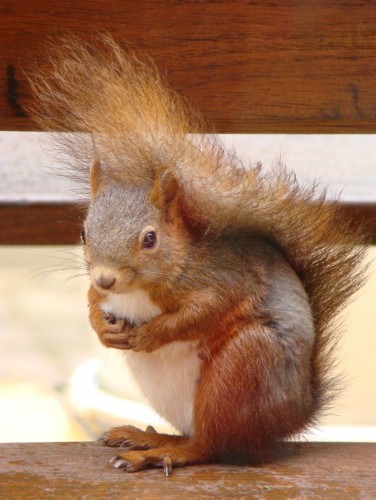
<point x="220" y="282"/>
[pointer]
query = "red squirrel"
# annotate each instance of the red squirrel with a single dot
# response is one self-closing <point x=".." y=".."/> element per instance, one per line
<point x="219" y="281"/>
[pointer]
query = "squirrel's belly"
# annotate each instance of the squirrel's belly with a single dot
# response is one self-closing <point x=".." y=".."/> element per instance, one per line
<point x="168" y="378"/>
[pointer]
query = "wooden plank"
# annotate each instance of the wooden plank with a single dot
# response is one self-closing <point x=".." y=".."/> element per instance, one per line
<point x="362" y="214"/>
<point x="82" y="470"/>
<point x="40" y="223"/>
<point x="294" y="66"/>
<point x="60" y="223"/>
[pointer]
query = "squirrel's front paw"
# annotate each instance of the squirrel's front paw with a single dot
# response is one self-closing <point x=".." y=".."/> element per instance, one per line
<point x="114" y="332"/>
<point x="119" y="334"/>
<point x="141" y="339"/>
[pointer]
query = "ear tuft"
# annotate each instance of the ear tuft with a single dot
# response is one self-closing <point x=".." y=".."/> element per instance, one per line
<point x="96" y="176"/>
<point x="165" y="189"/>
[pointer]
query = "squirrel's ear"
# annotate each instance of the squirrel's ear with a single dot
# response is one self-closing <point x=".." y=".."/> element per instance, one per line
<point x="96" y="176"/>
<point x="165" y="189"/>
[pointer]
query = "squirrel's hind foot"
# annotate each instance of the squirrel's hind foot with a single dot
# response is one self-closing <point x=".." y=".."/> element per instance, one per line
<point x="136" y="460"/>
<point x="132" y="438"/>
<point x="149" y="449"/>
<point x="166" y="457"/>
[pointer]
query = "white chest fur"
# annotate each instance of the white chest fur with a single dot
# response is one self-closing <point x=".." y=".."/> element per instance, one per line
<point x="167" y="376"/>
<point x="135" y="306"/>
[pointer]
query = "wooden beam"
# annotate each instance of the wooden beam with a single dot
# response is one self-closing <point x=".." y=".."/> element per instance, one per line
<point x="295" y="66"/>
<point x="40" y="223"/>
<point x="60" y="223"/>
<point x="82" y="470"/>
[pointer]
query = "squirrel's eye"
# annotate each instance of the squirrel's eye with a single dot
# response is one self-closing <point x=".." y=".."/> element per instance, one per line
<point x="83" y="237"/>
<point x="150" y="240"/>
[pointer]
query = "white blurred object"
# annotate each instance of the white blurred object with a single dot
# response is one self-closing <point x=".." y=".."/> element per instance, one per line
<point x="88" y="397"/>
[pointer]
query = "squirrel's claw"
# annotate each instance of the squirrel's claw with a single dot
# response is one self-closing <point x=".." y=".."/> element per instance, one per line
<point x="129" y="465"/>
<point x="167" y="465"/>
<point x="135" y="461"/>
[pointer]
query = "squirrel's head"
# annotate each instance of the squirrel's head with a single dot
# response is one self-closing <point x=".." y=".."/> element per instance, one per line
<point x="134" y="237"/>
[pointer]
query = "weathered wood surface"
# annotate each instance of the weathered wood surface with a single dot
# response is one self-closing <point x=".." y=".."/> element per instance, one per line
<point x="82" y="470"/>
<point x="292" y="66"/>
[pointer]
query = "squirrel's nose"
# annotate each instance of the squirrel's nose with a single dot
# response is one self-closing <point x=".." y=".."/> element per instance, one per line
<point x="105" y="282"/>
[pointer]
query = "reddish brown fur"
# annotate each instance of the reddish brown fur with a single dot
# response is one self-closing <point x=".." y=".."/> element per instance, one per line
<point x="210" y="197"/>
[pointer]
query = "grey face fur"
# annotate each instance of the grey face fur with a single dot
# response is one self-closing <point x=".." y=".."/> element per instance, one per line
<point x="114" y="221"/>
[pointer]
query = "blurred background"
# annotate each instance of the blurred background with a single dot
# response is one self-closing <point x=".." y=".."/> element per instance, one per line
<point x="57" y="383"/>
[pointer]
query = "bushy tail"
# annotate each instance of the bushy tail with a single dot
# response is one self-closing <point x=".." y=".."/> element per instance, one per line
<point x="319" y="241"/>
<point x="113" y="100"/>
<point x="117" y="101"/>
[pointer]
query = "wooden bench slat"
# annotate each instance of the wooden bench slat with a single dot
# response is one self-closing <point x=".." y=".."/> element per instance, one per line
<point x="60" y="223"/>
<point x="39" y="223"/>
<point x="296" y="66"/>
<point x="82" y="470"/>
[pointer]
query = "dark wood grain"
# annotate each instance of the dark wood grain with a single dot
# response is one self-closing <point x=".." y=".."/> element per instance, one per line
<point x="60" y="223"/>
<point x="362" y="214"/>
<point x="39" y="223"/>
<point x="293" y="66"/>
<point x="82" y="470"/>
